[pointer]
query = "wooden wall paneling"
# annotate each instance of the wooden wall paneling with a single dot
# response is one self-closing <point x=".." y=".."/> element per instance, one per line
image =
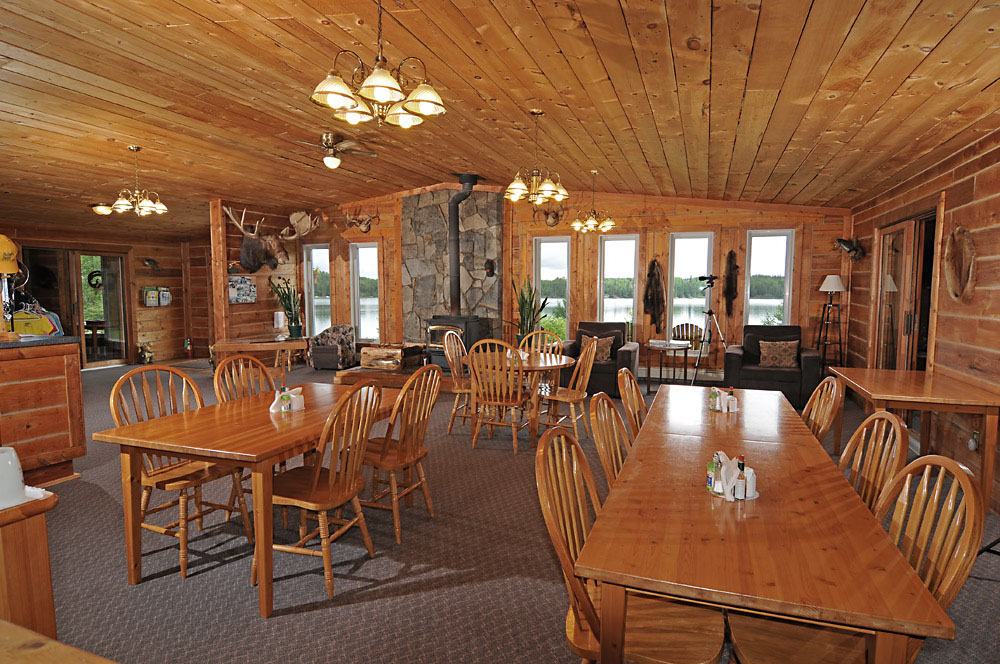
<point x="220" y="265"/>
<point x="162" y="327"/>
<point x="186" y="288"/>
<point x="932" y="323"/>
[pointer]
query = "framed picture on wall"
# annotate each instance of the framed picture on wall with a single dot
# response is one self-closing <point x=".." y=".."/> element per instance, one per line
<point x="242" y="290"/>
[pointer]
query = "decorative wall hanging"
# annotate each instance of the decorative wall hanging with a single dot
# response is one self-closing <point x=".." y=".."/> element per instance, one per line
<point x="242" y="290"/>
<point x="732" y="278"/>
<point x="960" y="264"/>
<point x="853" y="248"/>
<point x="360" y="220"/>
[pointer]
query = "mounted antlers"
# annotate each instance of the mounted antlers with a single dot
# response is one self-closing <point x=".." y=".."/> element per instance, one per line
<point x="257" y="250"/>
<point x="362" y="221"/>
<point x="301" y="223"/>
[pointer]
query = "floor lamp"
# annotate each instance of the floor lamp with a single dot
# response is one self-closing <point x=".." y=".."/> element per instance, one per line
<point x="831" y="318"/>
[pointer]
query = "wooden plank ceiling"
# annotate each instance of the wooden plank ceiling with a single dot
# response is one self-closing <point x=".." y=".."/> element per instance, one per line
<point x="785" y="101"/>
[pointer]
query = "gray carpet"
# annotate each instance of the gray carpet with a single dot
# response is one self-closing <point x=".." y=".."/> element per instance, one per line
<point x="478" y="583"/>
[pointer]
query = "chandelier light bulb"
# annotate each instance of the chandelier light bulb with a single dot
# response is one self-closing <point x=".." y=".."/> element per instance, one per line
<point x="381" y="87"/>
<point x="122" y="204"/>
<point x="400" y="117"/>
<point x="331" y="161"/>
<point x="548" y="188"/>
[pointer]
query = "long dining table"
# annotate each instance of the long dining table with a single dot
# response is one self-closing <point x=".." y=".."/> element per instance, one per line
<point x="239" y="433"/>
<point x="806" y="549"/>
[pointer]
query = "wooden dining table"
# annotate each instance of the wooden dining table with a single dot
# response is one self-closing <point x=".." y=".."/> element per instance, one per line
<point x="807" y="549"/>
<point x="239" y="433"/>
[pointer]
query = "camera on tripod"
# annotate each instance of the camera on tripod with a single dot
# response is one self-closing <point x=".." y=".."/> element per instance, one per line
<point x="709" y="281"/>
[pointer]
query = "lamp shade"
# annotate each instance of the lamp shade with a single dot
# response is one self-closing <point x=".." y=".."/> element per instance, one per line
<point x="890" y="284"/>
<point x="833" y="284"/>
<point x="331" y="160"/>
<point x="424" y="100"/>
<point x="381" y="87"/>
<point x="332" y="91"/>
<point x="400" y="117"/>
<point x="360" y="113"/>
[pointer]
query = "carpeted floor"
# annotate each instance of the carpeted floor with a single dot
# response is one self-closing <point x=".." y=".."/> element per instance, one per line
<point x="478" y="583"/>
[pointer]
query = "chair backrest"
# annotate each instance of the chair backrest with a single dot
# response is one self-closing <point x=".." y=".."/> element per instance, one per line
<point x="823" y="407"/>
<point x="614" y="441"/>
<point x="937" y="522"/>
<point x="150" y="392"/>
<point x="497" y="377"/>
<point x="569" y="501"/>
<point x="412" y="411"/>
<point x="455" y="353"/>
<point x="239" y="376"/>
<point x="584" y="364"/>
<point x="687" y="332"/>
<point x="345" y="436"/>
<point x="874" y="455"/>
<point x="632" y="402"/>
<point x="542" y="342"/>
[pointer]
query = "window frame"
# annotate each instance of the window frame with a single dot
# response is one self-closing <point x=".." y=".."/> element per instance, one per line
<point x="635" y="273"/>
<point x="710" y="236"/>
<point x="307" y="284"/>
<point x="355" y="290"/>
<point x="789" y="234"/>
<point x="537" y="276"/>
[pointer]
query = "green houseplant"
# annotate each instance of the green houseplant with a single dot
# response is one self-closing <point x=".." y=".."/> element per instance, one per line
<point x="529" y="308"/>
<point x="291" y="302"/>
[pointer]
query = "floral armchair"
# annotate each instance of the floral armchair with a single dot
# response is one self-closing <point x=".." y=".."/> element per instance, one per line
<point x="333" y="348"/>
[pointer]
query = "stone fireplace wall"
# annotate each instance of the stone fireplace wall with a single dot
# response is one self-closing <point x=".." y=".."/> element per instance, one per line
<point x="424" y="251"/>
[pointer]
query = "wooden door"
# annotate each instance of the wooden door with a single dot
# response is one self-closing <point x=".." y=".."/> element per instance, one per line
<point x="896" y="288"/>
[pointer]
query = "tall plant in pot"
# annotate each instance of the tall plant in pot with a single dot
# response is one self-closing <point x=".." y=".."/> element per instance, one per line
<point x="529" y="309"/>
<point x="291" y="302"/>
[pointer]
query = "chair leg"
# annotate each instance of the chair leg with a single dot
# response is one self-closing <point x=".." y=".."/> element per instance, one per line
<point x="231" y="502"/>
<point x="423" y="488"/>
<point x="356" y="504"/>
<point x="197" y="508"/>
<point x="394" y="492"/>
<point x="253" y="570"/>
<point x="513" y="426"/>
<point x="475" y="428"/>
<point x="241" y="500"/>
<point x="408" y="482"/>
<point x="183" y="533"/>
<point x="572" y="416"/>
<point x="454" y="411"/>
<point x="144" y="502"/>
<point x="589" y="430"/>
<point x="376" y="477"/>
<point x="302" y="523"/>
<point x="324" y="536"/>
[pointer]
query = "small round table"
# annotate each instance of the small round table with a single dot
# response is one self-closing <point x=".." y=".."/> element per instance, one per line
<point x="672" y="347"/>
<point x="537" y="365"/>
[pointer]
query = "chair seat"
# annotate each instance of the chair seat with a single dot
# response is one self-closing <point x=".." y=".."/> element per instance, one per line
<point x="657" y="631"/>
<point x="294" y="487"/>
<point x="758" y="639"/>
<point x="392" y="460"/>
<point x="771" y="374"/>
<point x="184" y="475"/>
<point x="566" y="395"/>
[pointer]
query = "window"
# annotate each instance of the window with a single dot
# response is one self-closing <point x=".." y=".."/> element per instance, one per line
<point x="618" y="269"/>
<point x="690" y="258"/>
<point x="364" y="291"/>
<point x="317" y="288"/>
<point x="769" y="278"/>
<point x="552" y="281"/>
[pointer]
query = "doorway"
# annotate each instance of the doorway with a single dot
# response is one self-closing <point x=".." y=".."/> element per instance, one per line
<point x="904" y="258"/>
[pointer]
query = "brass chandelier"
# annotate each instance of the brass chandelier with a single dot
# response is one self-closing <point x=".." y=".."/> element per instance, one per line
<point x="531" y="185"/>
<point x="594" y="220"/>
<point x="377" y="93"/>
<point x="137" y="200"/>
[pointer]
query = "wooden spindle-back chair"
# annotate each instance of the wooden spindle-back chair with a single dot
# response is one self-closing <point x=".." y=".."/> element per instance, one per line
<point x="687" y="332"/>
<point x="402" y="448"/>
<point x="240" y="376"/>
<point x="455" y="353"/>
<point x="656" y="630"/>
<point x="575" y="394"/>
<point x="499" y="387"/>
<point x="548" y="344"/>
<point x="333" y="479"/>
<point x="612" y="436"/>
<point x="934" y="512"/>
<point x="824" y="406"/>
<point x="875" y="454"/>
<point x="156" y="391"/>
<point x="632" y="401"/>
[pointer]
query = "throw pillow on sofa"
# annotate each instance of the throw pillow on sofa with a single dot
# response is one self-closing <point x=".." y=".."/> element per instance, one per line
<point x="783" y="354"/>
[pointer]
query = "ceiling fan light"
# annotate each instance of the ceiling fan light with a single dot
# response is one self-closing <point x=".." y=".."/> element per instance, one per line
<point x="331" y="161"/>
<point x="381" y="87"/>
<point x="101" y="208"/>
<point x="122" y="204"/>
<point x="332" y="91"/>
<point x="357" y="115"/>
<point x="402" y="118"/>
<point x="424" y="100"/>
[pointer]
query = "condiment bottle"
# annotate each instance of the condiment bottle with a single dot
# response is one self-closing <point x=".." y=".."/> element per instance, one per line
<point x="713" y="399"/>
<point x="285" y="398"/>
<point x="731" y="402"/>
<point x="741" y="480"/>
<point x="711" y="473"/>
<point x="717" y="476"/>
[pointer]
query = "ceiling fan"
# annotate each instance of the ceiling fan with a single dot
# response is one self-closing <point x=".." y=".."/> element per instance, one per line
<point x="335" y="145"/>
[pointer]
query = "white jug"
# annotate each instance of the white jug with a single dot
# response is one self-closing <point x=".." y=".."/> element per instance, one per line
<point x="11" y="479"/>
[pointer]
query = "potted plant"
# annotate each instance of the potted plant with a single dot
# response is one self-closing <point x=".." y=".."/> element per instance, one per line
<point x="290" y="301"/>
<point x="529" y="309"/>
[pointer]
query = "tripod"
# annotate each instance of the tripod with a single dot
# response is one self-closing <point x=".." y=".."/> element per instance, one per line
<point x="711" y="322"/>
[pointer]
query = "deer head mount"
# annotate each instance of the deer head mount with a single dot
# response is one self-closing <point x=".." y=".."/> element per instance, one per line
<point x="258" y="250"/>
<point x="299" y="224"/>
<point x="550" y="215"/>
<point x="362" y="221"/>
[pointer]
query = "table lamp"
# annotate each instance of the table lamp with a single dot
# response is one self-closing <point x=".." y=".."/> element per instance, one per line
<point x="832" y="284"/>
<point x="8" y="268"/>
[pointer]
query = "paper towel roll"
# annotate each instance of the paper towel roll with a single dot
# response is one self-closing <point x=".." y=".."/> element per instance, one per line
<point x="279" y="319"/>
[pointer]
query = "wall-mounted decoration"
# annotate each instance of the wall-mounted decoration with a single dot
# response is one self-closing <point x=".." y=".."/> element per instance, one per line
<point x="151" y="296"/>
<point x="853" y="248"/>
<point x="960" y="264"/>
<point x="242" y="290"/>
<point x="257" y="250"/>
<point x="731" y="290"/>
<point x="360" y="220"/>
<point x="165" y="297"/>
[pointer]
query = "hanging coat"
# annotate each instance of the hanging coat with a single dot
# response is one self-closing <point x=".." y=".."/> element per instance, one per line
<point x="654" y="300"/>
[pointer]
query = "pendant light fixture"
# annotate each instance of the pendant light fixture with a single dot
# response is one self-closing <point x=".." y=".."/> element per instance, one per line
<point x="137" y="200"/>
<point x="594" y="220"/>
<point x="530" y="184"/>
<point x="377" y="93"/>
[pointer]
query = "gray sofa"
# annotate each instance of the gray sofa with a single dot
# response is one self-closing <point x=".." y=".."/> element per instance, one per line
<point x="742" y="365"/>
<point x="604" y="375"/>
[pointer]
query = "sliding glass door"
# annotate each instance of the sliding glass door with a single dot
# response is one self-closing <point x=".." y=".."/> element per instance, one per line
<point x="103" y="303"/>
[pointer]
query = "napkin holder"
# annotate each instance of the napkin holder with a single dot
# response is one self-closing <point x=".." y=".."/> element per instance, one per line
<point x="728" y="474"/>
<point x="298" y="401"/>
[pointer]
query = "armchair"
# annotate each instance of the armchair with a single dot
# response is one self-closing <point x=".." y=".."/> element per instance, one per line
<point x="604" y="374"/>
<point x="333" y="348"/>
<point x="743" y="369"/>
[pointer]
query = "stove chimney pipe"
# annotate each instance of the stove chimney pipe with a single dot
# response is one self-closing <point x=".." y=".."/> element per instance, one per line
<point x="468" y="181"/>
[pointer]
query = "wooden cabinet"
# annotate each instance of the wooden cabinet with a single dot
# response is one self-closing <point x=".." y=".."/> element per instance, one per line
<point x="41" y="406"/>
<point x="25" y="574"/>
